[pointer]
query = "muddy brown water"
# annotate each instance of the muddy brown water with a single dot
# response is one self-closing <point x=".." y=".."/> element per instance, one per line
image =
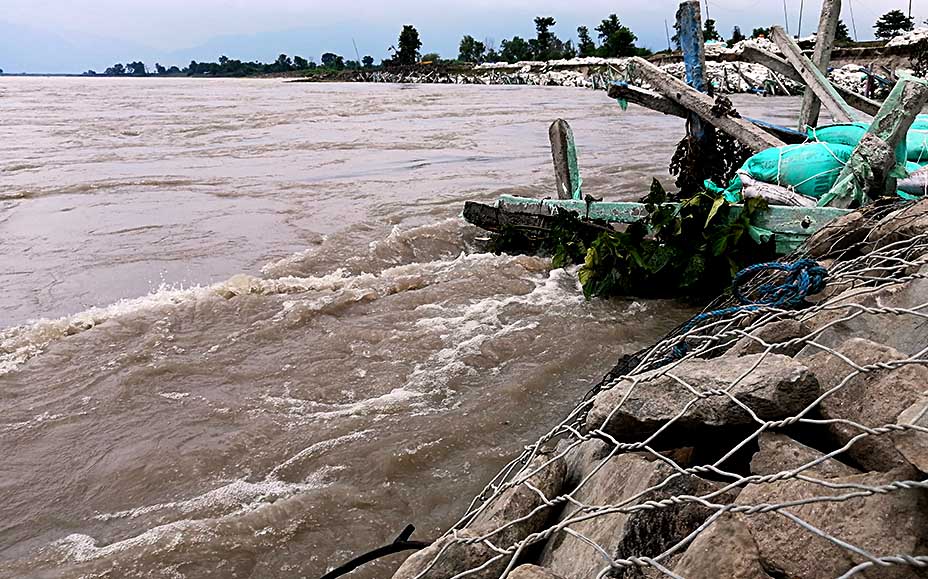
<point x="244" y="333"/>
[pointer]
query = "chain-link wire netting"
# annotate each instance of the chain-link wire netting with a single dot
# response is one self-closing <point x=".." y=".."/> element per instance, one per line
<point x="776" y="443"/>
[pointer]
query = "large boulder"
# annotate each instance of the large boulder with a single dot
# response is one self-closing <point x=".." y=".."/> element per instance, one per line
<point x="900" y="225"/>
<point x="779" y="453"/>
<point x="873" y="399"/>
<point x="905" y="329"/>
<point x="889" y="524"/>
<point x="625" y="480"/>
<point x="725" y="550"/>
<point x="913" y="444"/>
<point x="773" y="386"/>
<point x="452" y="555"/>
<point x="784" y="335"/>
<point x="532" y="572"/>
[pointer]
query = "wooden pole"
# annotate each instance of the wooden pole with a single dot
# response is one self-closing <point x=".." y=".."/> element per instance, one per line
<point x="702" y="105"/>
<point x="784" y="68"/>
<point x="564" y="154"/>
<point x="868" y="174"/>
<point x="821" y="57"/>
<point x="814" y="78"/>
<point x="692" y="41"/>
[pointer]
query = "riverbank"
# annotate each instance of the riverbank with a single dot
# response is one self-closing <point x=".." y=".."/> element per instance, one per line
<point x="754" y="444"/>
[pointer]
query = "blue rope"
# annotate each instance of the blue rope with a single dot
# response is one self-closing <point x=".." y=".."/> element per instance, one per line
<point x="805" y="277"/>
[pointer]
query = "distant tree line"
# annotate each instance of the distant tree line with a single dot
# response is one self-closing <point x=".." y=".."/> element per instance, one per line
<point x="230" y="67"/>
<point x="615" y="40"/>
<point x="612" y="40"/>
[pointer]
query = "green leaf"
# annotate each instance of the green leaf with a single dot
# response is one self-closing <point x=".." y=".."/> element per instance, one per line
<point x="716" y="205"/>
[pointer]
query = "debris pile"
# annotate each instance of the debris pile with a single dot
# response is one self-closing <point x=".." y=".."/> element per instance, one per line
<point x="759" y="442"/>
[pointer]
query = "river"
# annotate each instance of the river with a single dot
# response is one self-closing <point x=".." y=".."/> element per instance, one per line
<point x="244" y="332"/>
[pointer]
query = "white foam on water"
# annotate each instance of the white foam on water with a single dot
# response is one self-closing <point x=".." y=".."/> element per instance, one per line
<point x="465" y="329"/>
<point x="301" y="411"/>
<point x="34" y="422"/>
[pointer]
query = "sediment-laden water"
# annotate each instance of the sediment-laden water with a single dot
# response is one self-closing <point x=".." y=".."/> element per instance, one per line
<point x="244" y="333"/>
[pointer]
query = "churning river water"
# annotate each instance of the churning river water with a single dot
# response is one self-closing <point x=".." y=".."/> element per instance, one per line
<point x="244" y="332"/>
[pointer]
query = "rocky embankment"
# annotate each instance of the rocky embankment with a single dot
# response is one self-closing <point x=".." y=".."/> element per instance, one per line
<point x="725" y="71"/>
<point x="776" y="443"/>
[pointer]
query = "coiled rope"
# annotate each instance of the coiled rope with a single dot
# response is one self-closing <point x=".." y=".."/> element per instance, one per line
<point x="805" y="277"/>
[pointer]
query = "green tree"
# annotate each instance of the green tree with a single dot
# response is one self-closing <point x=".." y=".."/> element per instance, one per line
<point x="543" y="45"/>
<point x="160" y="69"/>
<point x="408" y="46"/>
<point x="492" y="56"/>
<point x="368" y="61"/>
<point x="736" y="36"/>
<point x="300" y="63"/>
<point x="515" y="50"/>
<point x="585" y="44"/>
<point x="842" y="34"/>
<point x="568" y="51"/>
<point x="283" y="63"/>
<point x="892" y="24"/>
<point x="471" y="50"/>
<point x="616" y="40"/>
<point x="329" y="59"/>
<point x="431" y="57"/>
<point x="710" y="32"/>
<point x="173" y="70"/>
<point x="136" y="68"/>
<point x="116" y="70"/>
<point x="758" y="32"/>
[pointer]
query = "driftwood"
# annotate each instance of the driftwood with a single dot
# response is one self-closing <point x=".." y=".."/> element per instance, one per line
<point x="655" y="102"/>
<point x="868" y="173"/>
<point x="821" y="57"/>
<point x="813" y="77"/>
<point x="785" y="69"/>
<point x="702" y="105"/>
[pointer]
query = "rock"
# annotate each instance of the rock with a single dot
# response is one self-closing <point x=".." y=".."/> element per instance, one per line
<point x="532" y="572"/>
<point x="872" y="399"/>
<point x="779" y="332"/>
<point x="581" y="460"/>
<point x="451" y="557"/>
<point x="838" y="236"/>
<point x="883" y="524"/>
<point x="778" y="387"/>
<point x="647" y="532"/>
<point x="899" y="225"/>
<point x="779" y="453"/>
<point x="913" y="444"/>
<point x="725" y="550"/>
<point x="905" y="332"/>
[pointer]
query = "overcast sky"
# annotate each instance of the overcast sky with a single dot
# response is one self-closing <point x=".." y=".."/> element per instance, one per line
<point x="246" y="29"/>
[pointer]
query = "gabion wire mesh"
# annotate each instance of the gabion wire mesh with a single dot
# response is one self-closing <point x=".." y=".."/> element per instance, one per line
<point x="859" y="266"/>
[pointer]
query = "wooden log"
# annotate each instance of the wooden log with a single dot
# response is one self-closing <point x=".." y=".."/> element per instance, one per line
<point x="700" y="104"/>
<point x="564" y="154"/>
<point x="821" y="57"/>
<point x="814" y="78"/>
<point x="868" y="174"/>
<point x="783" y="68"/>
<point x="655" y="102"/>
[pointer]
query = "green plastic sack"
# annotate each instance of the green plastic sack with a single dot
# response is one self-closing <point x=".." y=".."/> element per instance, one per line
<point x="917" y="145"/>
<point x="921" y="123"/>
<point x="848" y="134"/>
<point x="914" y="148"/>
<point x="810" y="168"/>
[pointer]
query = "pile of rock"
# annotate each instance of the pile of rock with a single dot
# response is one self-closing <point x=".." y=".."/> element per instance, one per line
<point x="909" y="38"/>
<point x="784" y="444"/>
